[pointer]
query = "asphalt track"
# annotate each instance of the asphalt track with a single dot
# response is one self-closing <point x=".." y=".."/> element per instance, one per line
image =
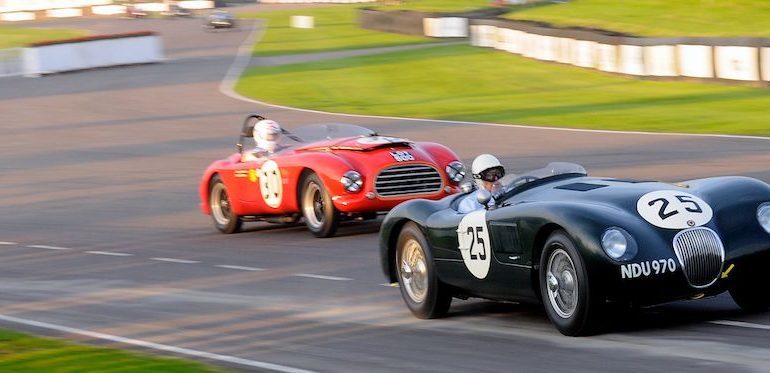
<point x="101" y="239"/>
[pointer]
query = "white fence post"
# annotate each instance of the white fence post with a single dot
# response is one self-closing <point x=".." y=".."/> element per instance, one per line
<point x="11" y="61"/>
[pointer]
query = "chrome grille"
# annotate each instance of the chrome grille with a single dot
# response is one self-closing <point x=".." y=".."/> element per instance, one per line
<point x="409" y="179"/>
<point x="701" y="255"/>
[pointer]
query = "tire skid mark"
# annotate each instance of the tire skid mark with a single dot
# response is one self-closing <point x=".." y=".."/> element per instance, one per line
<point x="46" y="247"/>
<point x="322" y="277"/>
<point x="108" y="253"/>
<point x="175" y="260"/>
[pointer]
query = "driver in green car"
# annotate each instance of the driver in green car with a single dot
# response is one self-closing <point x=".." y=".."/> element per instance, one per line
<point x="487" y="171"/>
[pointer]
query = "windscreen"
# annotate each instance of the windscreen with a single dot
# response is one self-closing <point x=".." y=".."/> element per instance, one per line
<point x="318" y="132"/>
<point x="512" y="183"/>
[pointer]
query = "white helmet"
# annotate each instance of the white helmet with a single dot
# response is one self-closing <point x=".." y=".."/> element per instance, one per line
<point x="266" y="134"/>
<point x="486" y="167"/>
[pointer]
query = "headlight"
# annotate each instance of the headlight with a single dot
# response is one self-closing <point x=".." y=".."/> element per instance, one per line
<point x="763" y="216"/>
<point x="352" y="181"/>
<point x="455" y="171"/>
<point x="618" y="244"/>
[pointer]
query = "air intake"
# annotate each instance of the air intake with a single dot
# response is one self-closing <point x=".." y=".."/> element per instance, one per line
<point x="701" y="255"/>
<point x="408" y="180"/>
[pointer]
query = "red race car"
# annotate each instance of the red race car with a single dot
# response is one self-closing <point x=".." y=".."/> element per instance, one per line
<point x="325" y="173"/>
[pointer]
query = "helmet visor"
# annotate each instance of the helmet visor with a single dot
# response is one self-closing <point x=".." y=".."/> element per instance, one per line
<point x="272" y="136"/>
<point x="492" y="174"/>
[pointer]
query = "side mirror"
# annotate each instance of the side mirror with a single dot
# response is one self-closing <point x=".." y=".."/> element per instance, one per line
<point x="467" y="187"/>
<point x="483" y="196"/>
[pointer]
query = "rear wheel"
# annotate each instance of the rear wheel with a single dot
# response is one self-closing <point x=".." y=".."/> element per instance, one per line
<point x="321" y="217"/>
<point x="569" y="302"/>
<point x="420" y="287"/>
<point x="748" y="287"/>
<point x="219" y="203"/>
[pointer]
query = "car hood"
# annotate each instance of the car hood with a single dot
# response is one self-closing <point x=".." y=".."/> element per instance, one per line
<point x="606" y="191"/>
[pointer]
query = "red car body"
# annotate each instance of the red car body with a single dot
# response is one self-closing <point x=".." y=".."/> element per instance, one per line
<point x="392" y="170"/>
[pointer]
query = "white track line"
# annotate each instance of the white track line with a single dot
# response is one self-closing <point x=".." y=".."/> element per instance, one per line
<point x="7" y="243"/>
<point x="227" y="87"/>
<point x="242" y="59"/>
<point x="46" y="247"/>
<point x="110" y="253"/>
<point x="240" y="268"/>
<point x="174" y="260"/>
<point x="322" y="277"/>
<point x="156" y="346"/>
<point x="741" y="324"/>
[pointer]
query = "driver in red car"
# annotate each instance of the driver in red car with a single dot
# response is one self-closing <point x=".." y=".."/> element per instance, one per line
<point x="487" y="170"/>
<point x="267" y="134"/>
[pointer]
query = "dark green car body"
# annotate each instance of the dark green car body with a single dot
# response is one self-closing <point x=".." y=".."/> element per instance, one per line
<point x="585" y="207"/>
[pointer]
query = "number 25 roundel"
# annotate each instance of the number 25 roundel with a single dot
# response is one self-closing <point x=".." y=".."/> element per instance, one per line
<point x="673" y="209"/>
<point x="473" y="240"/>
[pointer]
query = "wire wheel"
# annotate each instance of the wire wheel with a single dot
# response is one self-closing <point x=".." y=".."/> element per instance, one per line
<point x="413" y="271"/>
<point x="561" y="280"/>
<point x="313" y="205"/>
<point x="225" y="220"/>
<point x="220" y="205"/>
<point x="321" y="217"/>
<point x="424" y="294"/>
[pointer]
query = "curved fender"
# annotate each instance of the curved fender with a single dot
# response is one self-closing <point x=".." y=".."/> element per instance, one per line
<point x="416" y="210"/>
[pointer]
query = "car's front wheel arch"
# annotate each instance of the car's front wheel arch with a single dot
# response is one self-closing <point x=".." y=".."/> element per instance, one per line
<point x="392" y="243"/>
<point x="300" y="182"/>
<point x="538" y="244"/>
<point x="574" y="305"/>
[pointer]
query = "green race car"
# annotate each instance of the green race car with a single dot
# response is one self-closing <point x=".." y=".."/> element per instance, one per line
<point x="582" y="244"/>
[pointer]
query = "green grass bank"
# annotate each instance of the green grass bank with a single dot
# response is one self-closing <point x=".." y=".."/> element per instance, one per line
<point x="659" y="17"/>
<point x="475" y="84"/>
<point x="434" y="5"/>
<point x="15" y="37"/>
<point x="22" y="353"/>
<point x="336" y="28"/>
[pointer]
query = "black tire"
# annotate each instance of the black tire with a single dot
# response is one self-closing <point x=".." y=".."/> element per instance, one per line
<point x="321" y="217"/>
<point x="747" y="287"/>
<point x="574" y="312"/>
<point x="424" y="294"/>
<point x="224" y="219"/>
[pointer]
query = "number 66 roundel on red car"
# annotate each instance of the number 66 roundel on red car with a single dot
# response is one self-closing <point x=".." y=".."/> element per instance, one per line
<point x="323" y="174"/>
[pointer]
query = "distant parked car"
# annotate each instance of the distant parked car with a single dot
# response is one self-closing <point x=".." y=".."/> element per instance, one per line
<point x="132" y="11"/>
<point x="220" y="19"/>
<point x="175" y="10"/>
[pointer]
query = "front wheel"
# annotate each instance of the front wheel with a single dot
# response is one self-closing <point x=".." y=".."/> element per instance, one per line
<point x="225" y="220"/>
<point x="321" y="217"/>
<point x="747" y="287"/>
<point x="423" y="292"/>
<point x="569" y="302"/>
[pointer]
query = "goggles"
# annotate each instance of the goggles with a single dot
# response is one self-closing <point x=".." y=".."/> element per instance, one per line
<point x="491" y="174"/>
<point x="272" y="136"/>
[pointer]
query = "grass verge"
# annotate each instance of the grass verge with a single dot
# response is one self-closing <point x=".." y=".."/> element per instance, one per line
<point x="434" y="5"/>
<point x="474" y="84"/>
<point x="336" y="28"/>
<point x="24" y="353"/>
<point x="659" y="17"/>
<point x="14" y="37"/>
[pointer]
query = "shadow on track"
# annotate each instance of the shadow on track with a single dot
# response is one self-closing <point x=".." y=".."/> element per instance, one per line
<point x="346" y="229"/>
<point x="682" y="314"/>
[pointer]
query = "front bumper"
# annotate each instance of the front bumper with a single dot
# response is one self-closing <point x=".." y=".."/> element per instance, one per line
<point x="645" y="287"/>
<point x="359" y="202"/>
